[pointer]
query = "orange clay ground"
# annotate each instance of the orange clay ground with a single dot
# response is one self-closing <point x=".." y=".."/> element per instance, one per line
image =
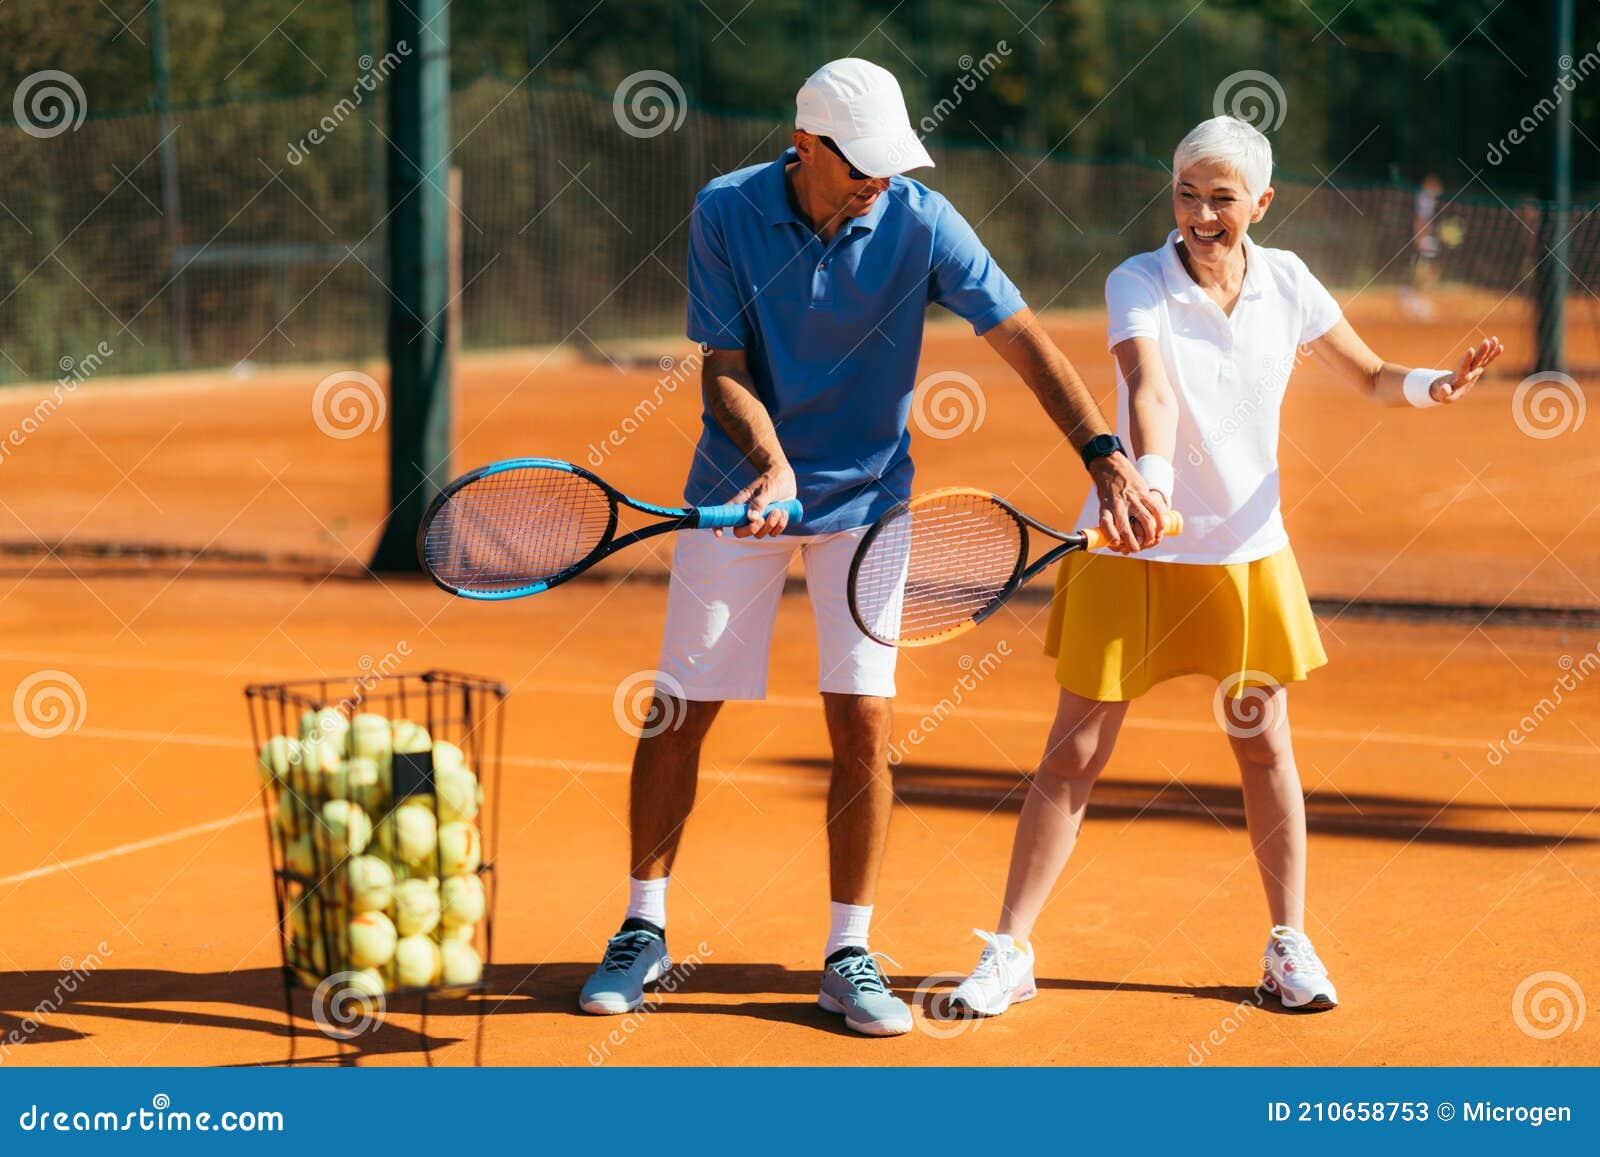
<point x="1441" y="879"/>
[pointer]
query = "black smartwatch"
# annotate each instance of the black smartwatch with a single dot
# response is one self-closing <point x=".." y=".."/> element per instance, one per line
<point x="1100" y="446"/>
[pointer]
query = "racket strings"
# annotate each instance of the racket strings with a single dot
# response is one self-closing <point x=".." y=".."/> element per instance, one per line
<point x="938" y="564"/>
<point x="515" y="528"/>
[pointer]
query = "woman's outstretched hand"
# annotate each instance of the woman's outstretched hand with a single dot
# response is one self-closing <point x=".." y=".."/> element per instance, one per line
<point x="1453" y="387"/>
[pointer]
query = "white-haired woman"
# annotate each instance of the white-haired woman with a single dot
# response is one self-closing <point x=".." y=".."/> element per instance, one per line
<point x="1204" y="332"/>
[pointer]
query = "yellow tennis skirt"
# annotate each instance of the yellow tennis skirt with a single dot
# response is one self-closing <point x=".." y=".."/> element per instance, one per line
<point x="1121" y="624"/>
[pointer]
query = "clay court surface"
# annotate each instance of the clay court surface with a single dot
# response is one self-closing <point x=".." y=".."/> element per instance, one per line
<point x="1441" y="879"/>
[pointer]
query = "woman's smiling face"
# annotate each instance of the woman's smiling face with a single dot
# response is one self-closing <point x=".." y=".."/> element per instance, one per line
<point x="1214" y="210"/>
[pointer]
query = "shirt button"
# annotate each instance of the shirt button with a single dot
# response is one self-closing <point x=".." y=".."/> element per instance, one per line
<point x="822" y="265"/>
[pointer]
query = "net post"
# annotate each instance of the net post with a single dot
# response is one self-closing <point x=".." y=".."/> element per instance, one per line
<point x="419" y="276"/>
<point x="1555" y="220"/>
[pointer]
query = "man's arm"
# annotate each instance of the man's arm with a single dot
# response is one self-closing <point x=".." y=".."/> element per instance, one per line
<point x="1129" y="513"/>
<point x="731" y="398"/>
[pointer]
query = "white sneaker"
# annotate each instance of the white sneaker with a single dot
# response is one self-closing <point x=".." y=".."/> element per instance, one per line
<point x="1004" y="975"/>
<point x="1293" y="972"/>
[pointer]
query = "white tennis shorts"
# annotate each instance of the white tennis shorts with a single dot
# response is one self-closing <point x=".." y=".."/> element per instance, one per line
<point x="723" y="600"/>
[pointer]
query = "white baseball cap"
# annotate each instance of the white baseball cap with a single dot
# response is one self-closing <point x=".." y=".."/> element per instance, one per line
<point x="858" y="104"/>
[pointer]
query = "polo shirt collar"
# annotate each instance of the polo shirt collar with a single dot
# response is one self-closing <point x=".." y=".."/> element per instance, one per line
<point x="1184" y="288"/>
<point x="779" y="209"/>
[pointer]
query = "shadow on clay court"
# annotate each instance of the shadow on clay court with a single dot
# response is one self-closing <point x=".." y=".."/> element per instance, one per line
<point x="33" y="1010"/>
<point x="1407" y="819"/>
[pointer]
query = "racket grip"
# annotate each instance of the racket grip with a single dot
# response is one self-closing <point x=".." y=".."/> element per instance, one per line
<point x="1094" y="539"/>
<point x="722" y="517"/>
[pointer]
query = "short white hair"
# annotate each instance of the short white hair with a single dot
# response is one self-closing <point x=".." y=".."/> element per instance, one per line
<point x="1235" y="143"/>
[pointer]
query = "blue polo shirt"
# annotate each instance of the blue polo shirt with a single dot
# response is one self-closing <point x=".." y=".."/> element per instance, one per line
<point x="833" y="332"/>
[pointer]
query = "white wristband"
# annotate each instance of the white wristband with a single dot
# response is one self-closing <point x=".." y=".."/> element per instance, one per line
<point x="1418" y="387"/>
<point x="1157" y="474"/>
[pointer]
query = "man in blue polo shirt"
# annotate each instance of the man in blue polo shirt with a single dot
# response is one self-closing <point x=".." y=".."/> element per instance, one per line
<point x="808" y="281"/>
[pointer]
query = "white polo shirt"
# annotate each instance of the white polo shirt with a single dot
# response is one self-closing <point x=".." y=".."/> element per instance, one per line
<point x="1229" y="374"/>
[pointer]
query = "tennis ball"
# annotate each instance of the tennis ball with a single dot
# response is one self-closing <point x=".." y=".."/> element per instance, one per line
<point x="371" y="883"/>
<point x="306" y="927"/>
<point x="460" y="963"/>
<point x="416" y="962"/>
<point x="457" y="791"/>
<point x="460" y="849"/>
<point x="407" y="737"/>
<point x="447" y="754"/>
<point x="345" y="829"/>
<point x="416" y="906"/>
<point x="359" y="780"/>
<point x="461" y="902"/>
<point x="278" y="755"/>
<point x="461" y="933"/>
<point x="366" y="982"/>
<point x="299" y="856"/>
<point x="326" y="723"/>
<point x="411" y="835"/>
<point x="369" y="738"/>
<point x="370" y="940"/>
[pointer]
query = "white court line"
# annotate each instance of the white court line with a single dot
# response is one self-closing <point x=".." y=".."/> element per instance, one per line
<point x="128" y="849"/>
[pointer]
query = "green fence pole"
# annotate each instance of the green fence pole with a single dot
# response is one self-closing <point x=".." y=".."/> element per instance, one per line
<point x="1556" y="243"/>
<point x="419" y="258"/>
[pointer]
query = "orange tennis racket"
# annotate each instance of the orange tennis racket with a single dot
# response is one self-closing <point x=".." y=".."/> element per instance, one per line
<point x="937" y="566"/>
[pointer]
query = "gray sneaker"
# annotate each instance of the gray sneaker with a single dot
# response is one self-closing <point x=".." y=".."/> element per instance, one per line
<point x="853" y="984"/>
<point x="635" y="957"/>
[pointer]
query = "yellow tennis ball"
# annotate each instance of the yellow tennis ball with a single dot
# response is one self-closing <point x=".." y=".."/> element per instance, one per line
<point x="463" y="933"/>
<point x="306" y="930"/>
<point x="366" y="982"/>
<point x="359" y="780"/>
<point x="370" y="939"/>
<point x="457" y="791"/>
<point x="345" y="829"/>
<point x="460" y="849"/>
<point x="299" y="856"/>
<point x="416" y="906"/>
<point x="408" y="738"/>
<point x="369" y="738"/>
<point x="411" y="835"/>
<point x="416" y="962"/>
<point x="447" y="754"/>
<point x="371" y="883"/>
<point x="326" y="723"/>
<point x="462" y="901"/>
<point x="278" y="755"/>
<point x="460" y="963"/>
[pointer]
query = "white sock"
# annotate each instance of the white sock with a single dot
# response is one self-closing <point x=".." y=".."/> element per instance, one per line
<point x="647" y="900"/>
<point x="847" y="926"/>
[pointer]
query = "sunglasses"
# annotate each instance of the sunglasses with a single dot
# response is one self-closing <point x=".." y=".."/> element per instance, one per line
<point x="833" y="147"/>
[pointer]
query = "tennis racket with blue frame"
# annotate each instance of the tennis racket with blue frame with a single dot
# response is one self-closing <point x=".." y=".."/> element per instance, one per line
<point x="522" y="526"/>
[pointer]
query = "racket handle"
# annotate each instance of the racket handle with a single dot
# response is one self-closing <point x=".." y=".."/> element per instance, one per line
<point x="1094" y="539"/>
<point x="722" y="517"/>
